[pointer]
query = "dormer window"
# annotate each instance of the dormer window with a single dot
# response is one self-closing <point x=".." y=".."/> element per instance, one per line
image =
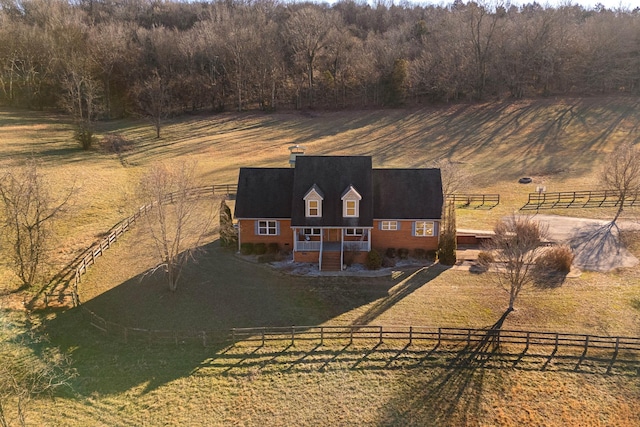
<point x="351" y="203"/>
<point x="313" y="202"/>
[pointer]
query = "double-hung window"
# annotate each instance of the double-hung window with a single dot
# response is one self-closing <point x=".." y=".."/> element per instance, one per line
<point x="389" y="225"/>
<point x="267" y="228"/>
<point x="313" y="202"/>
<point x="423" y="228"/>
<point x="311" y="231"/>
<point x="351" y="203"/>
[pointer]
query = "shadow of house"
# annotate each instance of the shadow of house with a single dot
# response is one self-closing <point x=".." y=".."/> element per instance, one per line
<point x="403" y="289"/>
<point x="218" y="293"/>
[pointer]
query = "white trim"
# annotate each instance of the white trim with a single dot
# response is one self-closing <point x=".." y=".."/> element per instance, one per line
<point x="275" y="226"/>
<point x="425" y="228"/>
<point x="313" y="195"/>
<point x="351" y="195"/>
<point x="392" y="225"/>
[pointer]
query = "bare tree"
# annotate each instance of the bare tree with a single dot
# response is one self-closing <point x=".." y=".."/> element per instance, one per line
<point x="29" y="210"/>
<point x="153" y="100"/>
<point x="621" y="172"/>
<point x="24" y="376"/>
<point x="454" y="178"/>
<point x="516" y="244"/>
<point x="176" y="223"/>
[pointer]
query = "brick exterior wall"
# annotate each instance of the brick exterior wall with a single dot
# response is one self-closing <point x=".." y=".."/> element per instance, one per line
<point x="402" y="238"/>
<point x="284" y="239"/>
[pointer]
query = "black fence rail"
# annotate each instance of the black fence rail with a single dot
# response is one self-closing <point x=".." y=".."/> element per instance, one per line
<point x="578" y="345"/>
<point x="579" y="199"/>
<point x="475" y="201"/>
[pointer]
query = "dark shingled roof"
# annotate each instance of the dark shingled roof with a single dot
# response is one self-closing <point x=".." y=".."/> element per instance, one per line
<point x="386" y="193"/>
<point x="407" y="194"/>
<point x="333" y="175"/>
<point x="264" y="193"/>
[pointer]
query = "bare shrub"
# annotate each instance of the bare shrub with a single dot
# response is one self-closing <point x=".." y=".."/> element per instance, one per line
<point x="115" y="143"/>
<point x="556" y="259"/>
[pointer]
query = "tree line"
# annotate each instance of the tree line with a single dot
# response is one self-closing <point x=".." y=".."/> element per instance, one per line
<point x="100" y="59"/>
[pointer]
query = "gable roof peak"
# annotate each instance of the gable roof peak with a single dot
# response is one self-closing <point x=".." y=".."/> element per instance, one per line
<point x="314" y="190"/>
<point x="350" y="193"/>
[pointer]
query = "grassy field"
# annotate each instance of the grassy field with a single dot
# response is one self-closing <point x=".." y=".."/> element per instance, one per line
<point x="560" y="143"/>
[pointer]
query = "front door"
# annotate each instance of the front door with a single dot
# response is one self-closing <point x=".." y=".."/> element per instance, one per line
<point x="332" y="234"/>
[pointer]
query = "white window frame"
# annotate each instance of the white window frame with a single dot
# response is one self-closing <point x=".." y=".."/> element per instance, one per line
<point x="351" y="195"/>
<point x="424" y="228"/>
<point x="347" y="208"/>
<point x="313" y="195"/>
<point x="318" y="208"/>
<point x="354" y="232"/>
<point x="389" y="225"/>
<point x="312" y="231"/>
<point x="267" y="227"/>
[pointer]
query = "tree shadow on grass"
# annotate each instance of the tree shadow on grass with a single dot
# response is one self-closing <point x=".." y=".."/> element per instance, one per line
<point x="218" y="293"/>
<point x="453" y="396"/>
<point x="598" y="247"/>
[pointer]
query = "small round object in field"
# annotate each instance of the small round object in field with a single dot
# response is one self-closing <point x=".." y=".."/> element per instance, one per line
<point x="525" y="180"/>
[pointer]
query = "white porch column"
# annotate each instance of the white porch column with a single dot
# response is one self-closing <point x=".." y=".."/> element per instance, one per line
<point x="341" y="248"/>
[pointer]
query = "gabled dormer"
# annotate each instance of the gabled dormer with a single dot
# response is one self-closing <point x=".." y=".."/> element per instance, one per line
<point x="351" y="202"/>
<point x="313" y="202"/>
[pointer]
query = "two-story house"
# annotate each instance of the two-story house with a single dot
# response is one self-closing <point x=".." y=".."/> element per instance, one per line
<point x="328" y="205"/>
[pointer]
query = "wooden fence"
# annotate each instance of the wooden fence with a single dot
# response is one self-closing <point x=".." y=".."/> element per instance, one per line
<point x="449" y="338"/>
<point x="578" y="199"/>
<point x="65" y="283"/>
<point x="475" y="201"/>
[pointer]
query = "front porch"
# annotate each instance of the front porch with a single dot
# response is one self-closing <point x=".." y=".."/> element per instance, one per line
<point x="327" y="246"/>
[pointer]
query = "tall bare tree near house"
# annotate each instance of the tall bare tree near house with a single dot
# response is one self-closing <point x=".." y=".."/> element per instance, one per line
<point x="621" y="172"/>
<point x="28" y="210"/>
<point x="177" y="222"/>
<point x="516" y="243"/>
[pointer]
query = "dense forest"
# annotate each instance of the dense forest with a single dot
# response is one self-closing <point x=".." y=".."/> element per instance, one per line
<point x="101" y="59"/>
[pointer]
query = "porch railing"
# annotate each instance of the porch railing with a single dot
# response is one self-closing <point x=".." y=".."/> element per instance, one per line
<point x="308" y="246"/>
<point x="357" y="246"/>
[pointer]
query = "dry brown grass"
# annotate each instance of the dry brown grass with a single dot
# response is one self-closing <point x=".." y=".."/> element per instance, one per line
<point x="560" y="143"/>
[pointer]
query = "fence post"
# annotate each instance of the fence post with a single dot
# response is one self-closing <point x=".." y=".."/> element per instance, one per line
<point x="293" y="336"/>
<point x="233" y="334"/>
<point x="468" y="337"/>
<point x="321" y="335"/>
<point x="439" y="335"/>
<point x="263" y="330"/>
<point x="380" y="342"/>
<point x="351" y="335"/>
<point x="410" y="335"/>
<point x="527" y="345"/>
<point x="555" y="349"/>
<point x="586" y="344"/>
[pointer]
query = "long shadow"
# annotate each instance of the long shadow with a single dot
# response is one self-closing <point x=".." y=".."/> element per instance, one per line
<point x="396" y="294"/>
<point x="448" y="398"/>
<point x="220" y="292"/>
<point x="598" y="247"/>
